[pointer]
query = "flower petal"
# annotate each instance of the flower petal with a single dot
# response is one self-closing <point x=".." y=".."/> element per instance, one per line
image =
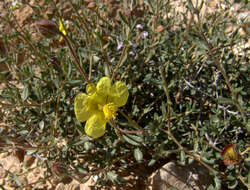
<point x="82" y="107"/>
<point x="119" y="92"/>
<point x="103" y="86"/>
<point x="96" y="125"/>
<point x="90" y="89"/>
<point x="61" y="27"/>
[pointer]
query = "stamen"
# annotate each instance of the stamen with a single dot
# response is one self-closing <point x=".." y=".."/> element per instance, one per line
<point x="109" y="111"/>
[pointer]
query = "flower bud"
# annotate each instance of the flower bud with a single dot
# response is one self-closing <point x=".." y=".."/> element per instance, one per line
<point x="47" y="28"/>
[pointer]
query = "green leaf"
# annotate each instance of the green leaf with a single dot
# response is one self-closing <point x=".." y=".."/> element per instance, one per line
<point x="88" y="145"/>
<point x="106" y="70"/>
<point x="81" y="170"/>
<point x="152" y="162"/>
<point x="41" y="125"/>
<point x="78" y="143"/>
<point x="74" y="82"/>
<point x="2" y="59"/>
<point x="233" y="185"/>
<point x="124" y="19"/>
<point x="29" y="152"/>
<point x="248" y="126"/>
<point x="138" y="154"/>
<point x="211" y="161"/>
<point x="163" y="110"/>
<point x="196" y="145"/>
<point x="112" y="176"/>
<point x="25" y="93"/>
<point x="183" y="157"/>
<point x="217" y="182"/>
<point x="135" y="138"/>
<point x="222" y="100"/>
<point x="23" y="132"/>
<point x="211" y="187"/>
<point x="237" y="90"/>
<point x="124" y="59"/>
<point x="130" y="140"/>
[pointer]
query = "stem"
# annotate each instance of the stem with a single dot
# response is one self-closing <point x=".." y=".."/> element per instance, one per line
<point x="90" y="66"/>
<point x="75" y="58"/>
<point x="107" y="63"/>
<point x="124" y="50"/>
<point x="118" y="133"/>
<point x="52" y="130"/>
<point x="85" y="26"/>
<point x="132" y="121"/>
<point x="130" y="131"/>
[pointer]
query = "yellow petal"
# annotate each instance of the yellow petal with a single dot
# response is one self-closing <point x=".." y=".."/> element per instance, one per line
<point x="119" y="92"/>
<point x="103" y="86"/>
<point x="97" y="99"/>
<point x="96" y="125"/>
<point x="90" y="89"/>
<point x="82" y="107"/>
<point x="61" y="27"/>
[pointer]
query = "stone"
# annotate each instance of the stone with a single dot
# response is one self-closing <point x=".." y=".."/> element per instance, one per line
<point x="189" y="177"/>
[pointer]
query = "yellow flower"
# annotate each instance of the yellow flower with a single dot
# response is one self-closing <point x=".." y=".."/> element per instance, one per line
<point x="62" y="29"/>
<point x="99" y="105"/>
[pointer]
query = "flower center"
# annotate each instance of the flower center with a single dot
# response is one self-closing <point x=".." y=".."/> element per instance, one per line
<point x="109" y="111"/>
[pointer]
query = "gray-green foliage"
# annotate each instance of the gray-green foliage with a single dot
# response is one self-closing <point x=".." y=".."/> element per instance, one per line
<point x="208" y="85"/>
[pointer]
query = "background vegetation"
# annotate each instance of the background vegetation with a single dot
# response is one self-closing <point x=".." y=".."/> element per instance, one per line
<point x="188" y="89"/>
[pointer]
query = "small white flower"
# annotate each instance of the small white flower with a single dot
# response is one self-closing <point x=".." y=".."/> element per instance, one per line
<point x="95" y="178"/>
<point x="131" y="53"/>
<point x="139" y="26"/>
<point x="119" y="45"/>
<point x="144" y="34"/>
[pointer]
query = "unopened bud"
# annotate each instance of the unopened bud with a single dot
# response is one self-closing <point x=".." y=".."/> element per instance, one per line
<point x="47" y="28"/>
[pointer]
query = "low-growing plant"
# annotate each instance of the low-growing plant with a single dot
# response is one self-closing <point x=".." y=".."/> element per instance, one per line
<point x="116" y="87"/>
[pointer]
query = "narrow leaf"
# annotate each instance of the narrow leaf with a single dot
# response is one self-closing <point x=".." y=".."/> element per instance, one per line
<point x="138" y="154"/>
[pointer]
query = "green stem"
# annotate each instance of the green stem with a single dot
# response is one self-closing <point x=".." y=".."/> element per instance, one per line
<point x="132" y="121"/>
<point x="83" y="21"/>
<point x="124" y="50"/>
<point x="82" y="71"/>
